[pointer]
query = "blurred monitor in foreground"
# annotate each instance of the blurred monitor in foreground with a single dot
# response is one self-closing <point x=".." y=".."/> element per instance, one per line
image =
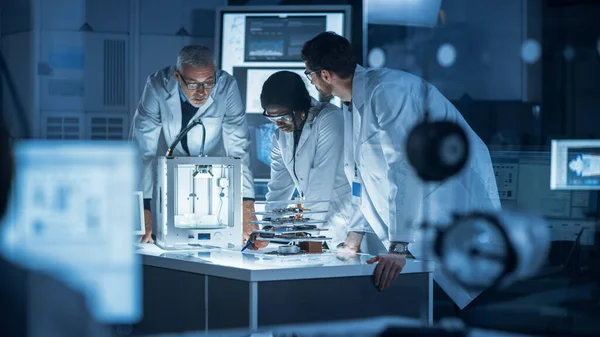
<point x="71" y="214"/>
<point x="575" y="165"/>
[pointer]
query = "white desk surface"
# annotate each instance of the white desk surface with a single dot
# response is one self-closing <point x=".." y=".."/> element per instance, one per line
<point x="256" y="266"/>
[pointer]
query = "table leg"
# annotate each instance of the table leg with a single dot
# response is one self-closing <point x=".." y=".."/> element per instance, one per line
<point x="253" y="306"/>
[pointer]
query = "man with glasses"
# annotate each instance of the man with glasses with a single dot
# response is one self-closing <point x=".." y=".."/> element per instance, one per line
<point x="306" y="154"/>
<point x="381" y="106"/>
<point x="175" y="96"/>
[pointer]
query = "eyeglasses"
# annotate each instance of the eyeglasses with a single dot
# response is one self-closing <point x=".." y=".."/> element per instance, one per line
<point x="283" y="118"/>
<point x="196" y="86"/>
<point x="309" y="74"/>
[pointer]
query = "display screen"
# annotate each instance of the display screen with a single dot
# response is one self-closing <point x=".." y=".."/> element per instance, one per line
<point x="274" y="38"/>
<point x="254" y="79"/>
<point x="70" y="215"/>
<point x="256" y="44"/>
<point x="262" y="132"/>
<point x="575" y="165"/>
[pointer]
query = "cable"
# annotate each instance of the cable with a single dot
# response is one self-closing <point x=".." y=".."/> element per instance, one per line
<point x="296" y="141"/>
<point x="221" y="195"/>
<point x="184" y="132"/>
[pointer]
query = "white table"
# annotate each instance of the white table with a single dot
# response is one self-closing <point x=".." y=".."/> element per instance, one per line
<point x="204" y="289"/>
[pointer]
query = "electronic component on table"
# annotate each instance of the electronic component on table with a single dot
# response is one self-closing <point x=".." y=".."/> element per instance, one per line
<point x="297" y="209"/>
<point x="288" y="249"/>
<point x="290" y="210"/>
<point x="289" y="228"/>
<point x="289" y="219"/>
<point x="286" y="230"/>
<point x="294" y="236"/>
<point x="289" y="224"/>
<point x="311" y="247"/>
<point x="280" y="212"/>
<point x="291" y="202"/>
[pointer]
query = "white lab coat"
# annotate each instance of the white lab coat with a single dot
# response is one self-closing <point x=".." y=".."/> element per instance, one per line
<point x="157" y="122"/>
<point x="386" y="105"/>
<point x="319" y="168"/>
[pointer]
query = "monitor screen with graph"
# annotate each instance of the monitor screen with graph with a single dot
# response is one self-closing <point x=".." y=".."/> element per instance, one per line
<point x="575" y="165"/>
<point x="257" y="41"/>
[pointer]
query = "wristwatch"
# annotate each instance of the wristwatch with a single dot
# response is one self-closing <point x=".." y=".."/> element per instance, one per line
<point x="401" y="248"/>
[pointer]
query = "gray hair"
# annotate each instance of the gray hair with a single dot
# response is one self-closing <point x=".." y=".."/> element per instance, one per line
<point x="196" y="56"/>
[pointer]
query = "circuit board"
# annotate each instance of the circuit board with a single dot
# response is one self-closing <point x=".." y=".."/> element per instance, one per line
<point x="287" y="220"/>
<point x="289" y="224"/>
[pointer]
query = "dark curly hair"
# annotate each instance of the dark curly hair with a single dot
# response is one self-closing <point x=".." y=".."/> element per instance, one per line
<point x="331" y="52"/>
<point x="287" y="89"/>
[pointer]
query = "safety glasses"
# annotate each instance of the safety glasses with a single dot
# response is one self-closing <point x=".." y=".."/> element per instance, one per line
<point x="287" y="117"/>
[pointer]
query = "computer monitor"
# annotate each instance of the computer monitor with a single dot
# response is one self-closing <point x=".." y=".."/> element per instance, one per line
<point x="70" y="216"/>
<point x="253" y="42"/>
<point x="523" y="179"/>
<point x="575" y="165"/>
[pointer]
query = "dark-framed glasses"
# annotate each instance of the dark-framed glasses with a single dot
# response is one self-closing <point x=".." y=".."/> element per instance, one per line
<point x="195" y="85"/>
<point x="309" y="73"/>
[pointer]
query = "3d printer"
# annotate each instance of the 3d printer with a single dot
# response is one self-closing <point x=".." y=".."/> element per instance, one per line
<point x="199" y="199"/>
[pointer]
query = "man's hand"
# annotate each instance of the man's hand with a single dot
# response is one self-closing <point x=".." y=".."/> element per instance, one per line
<point x="147" y="238"/>
<point x="247" y="218"/>
<point x="388" y="268"/>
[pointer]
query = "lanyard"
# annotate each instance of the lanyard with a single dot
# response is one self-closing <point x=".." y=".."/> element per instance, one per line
<point x="296" y="141"/>
<point x="351" y="110"/>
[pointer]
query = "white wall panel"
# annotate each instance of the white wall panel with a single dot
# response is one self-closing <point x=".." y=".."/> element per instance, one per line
<point x="61" y="70"/>
<point x="106" y="72"/>
<point x="62" y="125"/>
<point x="199" y="16"/>
<point x="163" y="17"/>
<point x="16" y="16"/>
<point x="108" y="16"/>
<point x="16" y="49"/>
<point x="102" y="15"/>
<point x="63" y="14"/>
<point x="156" y="52"/>
<point x="106" y="126"/>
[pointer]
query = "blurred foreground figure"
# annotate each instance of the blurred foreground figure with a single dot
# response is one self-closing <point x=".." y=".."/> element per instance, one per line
<point x="32" y="303"/>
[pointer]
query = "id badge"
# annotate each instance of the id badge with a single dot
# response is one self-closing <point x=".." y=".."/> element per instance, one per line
<point x="356" y="193"/>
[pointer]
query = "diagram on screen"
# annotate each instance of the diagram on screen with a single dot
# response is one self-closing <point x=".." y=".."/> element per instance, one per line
<point x="61" y="204"/>
<point x="582" y="167"/>
<point x="266" y="48"/>
<point x="585" y="165"/>
<point x="264" y="141"/>
<point x="280" y="38"/>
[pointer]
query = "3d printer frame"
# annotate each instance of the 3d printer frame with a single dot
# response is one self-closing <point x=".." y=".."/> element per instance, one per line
<point x="205" y="231"/>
